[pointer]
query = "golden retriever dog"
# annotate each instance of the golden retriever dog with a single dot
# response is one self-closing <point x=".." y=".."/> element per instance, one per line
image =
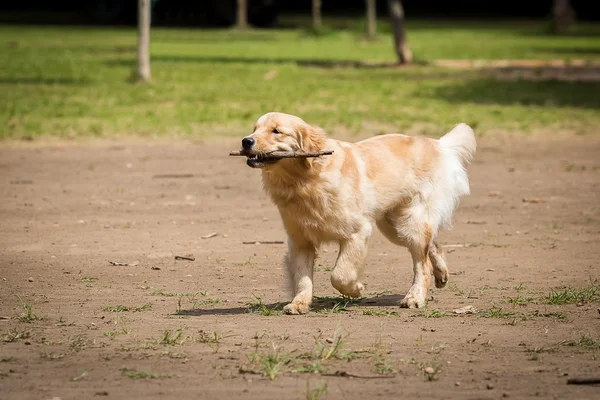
<point x="408" y="186"/>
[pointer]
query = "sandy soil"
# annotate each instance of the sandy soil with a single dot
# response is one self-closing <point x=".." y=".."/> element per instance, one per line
<point x="531" y="224"/>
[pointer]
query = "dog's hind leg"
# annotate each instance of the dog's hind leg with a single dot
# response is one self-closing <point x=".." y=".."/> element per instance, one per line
<point x="346" y="275"/>
<point x="440" y="269"/>
<point x="299" y="262"/>
<point x="422" y="268"/>
<point x="401" y="228"/>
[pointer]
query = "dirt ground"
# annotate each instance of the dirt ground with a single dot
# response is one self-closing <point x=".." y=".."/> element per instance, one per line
<point x="531" y="225"/>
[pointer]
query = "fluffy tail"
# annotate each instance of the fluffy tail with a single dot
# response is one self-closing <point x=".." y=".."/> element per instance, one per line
<point x="461" y="141"/>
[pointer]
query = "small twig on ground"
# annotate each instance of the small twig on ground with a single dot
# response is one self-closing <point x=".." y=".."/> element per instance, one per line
<point x="121" y="264"/>
<point x="189" y="257"/>
<point x="265" y="242"/>
<point x="286" y="154"/>
<point x="248" y="371"/>
<point x="583" y="381"/>
<point x="210" y="235"/>
<point x="533" y="200"/>
<point x="163" y="176"/>
<point x="344" y="374"/>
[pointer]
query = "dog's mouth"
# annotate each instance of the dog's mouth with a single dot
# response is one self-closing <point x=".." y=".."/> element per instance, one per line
<point x="260" y="160"/>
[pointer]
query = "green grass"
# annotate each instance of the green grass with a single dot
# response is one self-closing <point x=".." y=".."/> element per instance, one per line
<point x="122" y="308"/>
<point x="332" y="304"/>
<point x="14" y="335"/>
<point x="27" y="315"/>
<point x="171" y="337"/>
<point x="431" y="314"/>
<point x="259" y="307"/>
<point x="380" y="313"/>
<point x="585" y="341"/>
<point x="75" y="81"/>
<point x="569" y="295"/>
<point x="134" y="374"/>
<point x="317" y="392"/>
<point x="495" y="312"/>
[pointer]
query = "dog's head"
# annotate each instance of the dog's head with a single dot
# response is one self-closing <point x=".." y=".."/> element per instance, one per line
<point x="281" y="132"/>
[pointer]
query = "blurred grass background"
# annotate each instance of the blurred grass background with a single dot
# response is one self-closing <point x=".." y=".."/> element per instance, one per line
<point x="76" y="81"/>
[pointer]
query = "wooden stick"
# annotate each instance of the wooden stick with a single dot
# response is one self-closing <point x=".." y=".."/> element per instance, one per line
<point x="583" y="381"/>
<point x="187" y="258"/>
<point x="265" y="242"/>
<point x="285" y="154"/>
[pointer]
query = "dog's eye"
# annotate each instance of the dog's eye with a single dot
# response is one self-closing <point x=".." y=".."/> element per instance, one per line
<point x="276" y="131"/>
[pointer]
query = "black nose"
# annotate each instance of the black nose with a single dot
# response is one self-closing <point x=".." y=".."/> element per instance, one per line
<point x="248" y="142"/>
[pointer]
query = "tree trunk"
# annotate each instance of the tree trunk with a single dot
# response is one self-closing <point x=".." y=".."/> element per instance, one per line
<point x="371" y="19"/>
<point x="397" y="20"/>
<point x="242" y="14"/>
<point x="564" y="15"/>
<point x="316" y="14"/>
<point x="143" y="56"/>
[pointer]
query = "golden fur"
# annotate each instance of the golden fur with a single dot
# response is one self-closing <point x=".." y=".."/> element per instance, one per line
<point x="407" y="186"/>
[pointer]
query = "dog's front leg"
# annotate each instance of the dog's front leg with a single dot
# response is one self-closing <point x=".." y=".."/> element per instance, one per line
<point x="299" y="262"/>
<point x="348" y="267"/>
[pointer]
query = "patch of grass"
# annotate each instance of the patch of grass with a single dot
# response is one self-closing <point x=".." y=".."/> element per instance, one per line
<point x="211" y="339"/>
<point x="315" y="368"/>
<point x="270" y="363"/>
<point x="431" y="314"/>
<point x="495" y="312"/>
<point x="259" y="307"/>
<point x="113" y="334"/>
<point x="329" y="304"/>
<point x="380" y="313"/>
<point x="175" y="356"/>
<point x="384" y="366"/>
<point x="14" y="335"/>
<point x="81" y="87"/>
<point x="134" y="374"/>
<point x="78" y="342"/>
<point x="52" y="356"/>
<point x="317" y="392"/>
<point x="553" y="315"/>
<point x="323" y="269"/>
<point x="519" y="287"/>
<point x="27" y="315"/>
<point x="519" y="300"/>
<point x="569" y="295"/>
<point x="165" y="294"/>
<point x="88" y="279"/>
<point x="585" y="341"/>
<point x="122" y="308"/>
<point x="332" y="348"/>
<point x="169" y="337"/>
<point x="80" y="376"/>
<point x="119" y="308"/>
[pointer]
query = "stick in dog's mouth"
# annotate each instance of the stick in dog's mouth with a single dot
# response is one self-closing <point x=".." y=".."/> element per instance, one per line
<point x="260" y="160"/>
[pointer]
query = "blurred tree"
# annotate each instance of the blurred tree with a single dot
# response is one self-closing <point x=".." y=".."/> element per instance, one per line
<point x="398" y="29"/>
<point x="316" y="15"/>
<point x="371" y="19"/>
<point x="242" y="14"/>
<point x="143" y="56"/>
<point x="564" y="15"/>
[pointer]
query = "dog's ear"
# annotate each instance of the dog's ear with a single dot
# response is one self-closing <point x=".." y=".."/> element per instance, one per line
<point x="311" y="139"/>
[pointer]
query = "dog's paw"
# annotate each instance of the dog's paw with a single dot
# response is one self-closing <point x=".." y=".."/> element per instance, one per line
<point x="441" y="278"/>
<point x="412" y="301"/>
<point x="296" y="308"/>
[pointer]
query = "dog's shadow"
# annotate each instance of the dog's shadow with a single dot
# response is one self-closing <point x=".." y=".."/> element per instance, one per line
<point x="323" y="305"/>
